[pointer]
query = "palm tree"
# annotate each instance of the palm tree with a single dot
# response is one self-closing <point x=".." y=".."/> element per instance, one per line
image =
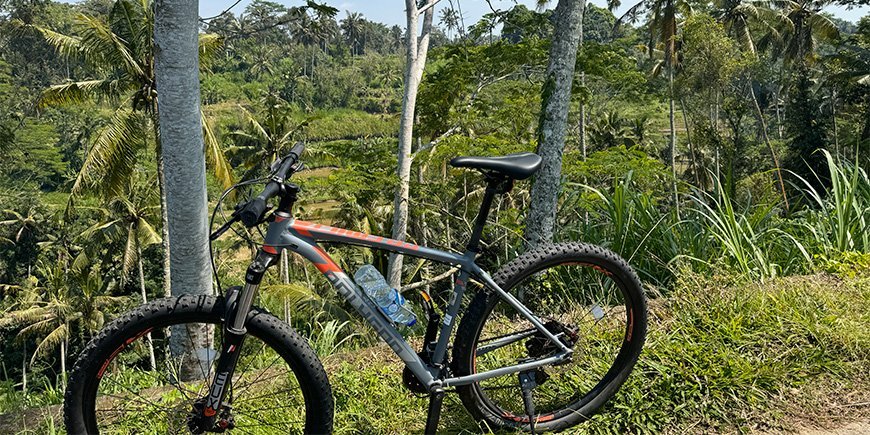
<point x="267" y="135"/>
<point x="353" y="29"/>
<point x="663" y="30"/>
<point x="129" y="221"/>
<point x="802" y="25"/>
<point x="123" y="49"/>
<point x="23" y="226"/>
<point x="450" y="20"/>
<point x="56" y="309"/>
<point x="738" y="16"/>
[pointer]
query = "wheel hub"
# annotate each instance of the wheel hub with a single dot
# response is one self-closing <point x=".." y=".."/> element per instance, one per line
<point x="199" y="421"/>
<point x="539" y="346"/>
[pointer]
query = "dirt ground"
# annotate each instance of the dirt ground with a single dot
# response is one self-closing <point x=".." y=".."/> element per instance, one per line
<point x="854" y="428"/>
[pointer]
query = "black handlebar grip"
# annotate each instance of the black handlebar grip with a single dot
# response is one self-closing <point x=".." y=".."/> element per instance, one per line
<point x="253" y="212"/>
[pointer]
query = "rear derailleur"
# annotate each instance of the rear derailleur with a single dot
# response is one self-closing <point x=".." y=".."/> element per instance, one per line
<point x="540" y="346"/>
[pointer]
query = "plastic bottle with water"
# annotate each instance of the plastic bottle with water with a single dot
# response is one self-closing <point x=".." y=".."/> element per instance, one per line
<point x="387" y="298"/>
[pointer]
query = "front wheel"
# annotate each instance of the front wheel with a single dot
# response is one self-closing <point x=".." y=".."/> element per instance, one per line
<point x="148" y="370"/>
<point x="584" y="294"/>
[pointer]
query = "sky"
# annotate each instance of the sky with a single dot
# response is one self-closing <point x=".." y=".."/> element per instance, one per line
<point x="393" y="11"/>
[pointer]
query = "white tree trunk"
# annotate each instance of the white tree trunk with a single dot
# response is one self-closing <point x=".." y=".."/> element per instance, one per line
<point x="63" y="362"/>
<point x="176" y="56"/>
<point x="555" y="100"/>
<point x="672" y="143"/>
<point x="152" y="359"/>
<point x="417" y="49"/>
<point x="164" y="218"/>
<point x="285" y="267"/>
<point x="24" y="370"/>
<point x="762" y="124"/>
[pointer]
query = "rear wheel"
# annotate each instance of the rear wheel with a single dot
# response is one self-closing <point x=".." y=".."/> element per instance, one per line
<point x="585" y="293"/>
<point x="279" y="384"/>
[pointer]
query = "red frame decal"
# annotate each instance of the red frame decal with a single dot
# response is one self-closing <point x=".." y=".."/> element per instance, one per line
<point x="313" y="230"/>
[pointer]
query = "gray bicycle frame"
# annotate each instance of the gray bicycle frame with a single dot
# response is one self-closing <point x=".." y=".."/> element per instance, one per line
<point x="301" y="237"/>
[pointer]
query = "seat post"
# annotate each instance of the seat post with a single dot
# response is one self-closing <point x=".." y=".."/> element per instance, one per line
<point x="495" y="184"/>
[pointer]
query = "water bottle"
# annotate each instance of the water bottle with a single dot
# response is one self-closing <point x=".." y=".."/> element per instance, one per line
<point x="387" y="298"/>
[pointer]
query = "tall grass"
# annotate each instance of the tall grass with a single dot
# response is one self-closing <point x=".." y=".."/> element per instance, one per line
<point x="841" y="222"/>
<point x="628" y="222"/>
<point x="753" y="243"/>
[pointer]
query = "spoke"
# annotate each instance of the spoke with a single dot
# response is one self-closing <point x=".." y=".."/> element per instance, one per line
<point x="244" y="387"/>
<point x="253" y="358"/>
<point x="135" y="397"/>
<point x="246" y="400"/>
<point x="497" y="337"/>
<point x="262" y="423"/>
<point x="247" y="412"/>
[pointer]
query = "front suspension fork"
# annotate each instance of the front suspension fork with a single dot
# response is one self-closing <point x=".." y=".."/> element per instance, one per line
<point x="238" y="307"/>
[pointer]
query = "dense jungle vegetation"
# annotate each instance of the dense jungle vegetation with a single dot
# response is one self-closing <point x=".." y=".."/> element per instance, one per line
<point x="720" y="147"/>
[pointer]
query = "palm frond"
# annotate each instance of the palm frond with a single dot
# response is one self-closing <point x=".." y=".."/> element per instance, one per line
<point x="22" y="317"/>
<point x="259" y="131"/>
<point x="306" y="301"/>
<point x="147" y="234"/>
<point x="823" y="27"/>
<point x="111" y="160"/>
<point x="101" y="46"/>
<point x="126" y="21"/>
<point x="80" y="92"/>
<point x="51" y="341"/>
<point x="214" y="154"/>
<point x="209" y="46"/>
<point x="66" y="46"/>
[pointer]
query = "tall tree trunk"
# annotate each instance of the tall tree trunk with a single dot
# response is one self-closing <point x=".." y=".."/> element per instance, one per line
<point x="176" y="57"/>
<point x="151" y="358"/>
<point x="24" y="369"/>
<point x="164" y="214"/>
<point x="695" y="171"/>
<point x="63" y="362"/>
<point x="417" y="50"/>
<point x="583" y="110"/>
<point x="718" y="142"/>
<point x="763" y="126"/>
<point x="555" y="101"/>
<point x="285" y="267"/>
<point x="672" y="142"/>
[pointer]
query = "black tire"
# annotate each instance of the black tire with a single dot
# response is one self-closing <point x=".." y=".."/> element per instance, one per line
<point x="532" y="265"/>
<point x="80" y="401"/>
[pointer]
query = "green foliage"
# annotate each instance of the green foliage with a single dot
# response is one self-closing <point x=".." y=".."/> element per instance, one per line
<point x="720" y="358"/>
<point x="749" y="240"/>
<point x="275" y="74"/>
<point x="842" y="221"/>
<point x="808" y="129"/>
<point x="33" y="155"/>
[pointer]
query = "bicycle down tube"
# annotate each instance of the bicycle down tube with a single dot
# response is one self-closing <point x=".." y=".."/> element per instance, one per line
<point x="301" y="237"/>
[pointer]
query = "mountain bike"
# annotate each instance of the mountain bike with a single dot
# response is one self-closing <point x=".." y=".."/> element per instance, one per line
<point x="541" y="345"/>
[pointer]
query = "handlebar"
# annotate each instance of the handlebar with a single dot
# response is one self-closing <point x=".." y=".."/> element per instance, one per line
<point x="252" y="212"/>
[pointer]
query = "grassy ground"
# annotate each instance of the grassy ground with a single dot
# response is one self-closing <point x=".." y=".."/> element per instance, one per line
<point x="720" y="358"/>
